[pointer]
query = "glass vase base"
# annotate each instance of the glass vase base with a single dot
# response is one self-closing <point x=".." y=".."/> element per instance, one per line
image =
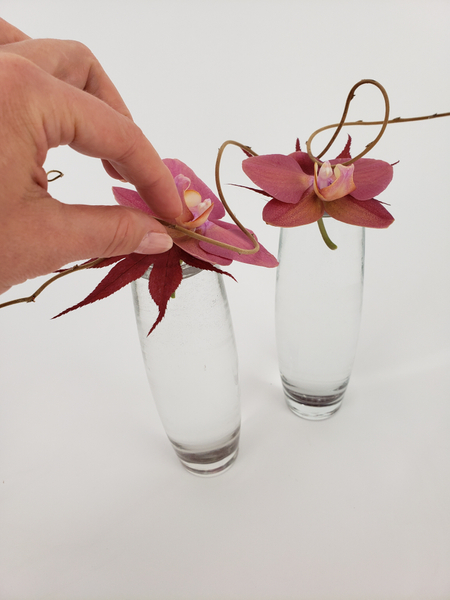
<point x="210" y="460"/>
<point x="312" y="407"/>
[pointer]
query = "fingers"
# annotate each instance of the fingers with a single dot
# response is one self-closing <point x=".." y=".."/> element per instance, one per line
<point x="56" y="93"/>
<point x="125" y="151"/>
<point x="94" y="129"/>
<point x="58" y="114"/>
<point x="69" y="61"/>
<point x="73" y="63"/>
<point x="119" y="141"/>
<point x="10" y="34"/>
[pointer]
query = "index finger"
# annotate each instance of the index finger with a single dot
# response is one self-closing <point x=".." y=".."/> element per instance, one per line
<point x="69" y="116"/>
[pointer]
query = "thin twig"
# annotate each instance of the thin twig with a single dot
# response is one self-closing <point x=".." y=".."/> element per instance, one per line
<point x="385" y="122"/>
<point x="204" y="238"/>
<point x="247" y="149"/>
<point x="342" y="123"/>
<point x="390" y="122"/>
<point x="33" y="296"/>
<point x="59" y="174"/>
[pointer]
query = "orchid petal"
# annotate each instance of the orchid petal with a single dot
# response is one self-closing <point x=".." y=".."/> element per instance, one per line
<point x="278" y="175"/>
<point x="280" y="214"/>
<point x="199" y="220"/>
<point x="192" y="246"/>
<point x="197" y="196"/>
<point x="304" y="161"/>
<point x="367" y="213"/>
<point x="229" y="233"/>
<point x="182" y="182"/>
<point x="176" y="167"/>
<point x="130" y="198"/>
<point x="371" y="177"/>
<point x="193" y="261"/>
<point x="340" y="187"/>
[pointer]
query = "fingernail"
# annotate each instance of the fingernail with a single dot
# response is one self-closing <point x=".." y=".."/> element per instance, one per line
<point x="154" y="243"/>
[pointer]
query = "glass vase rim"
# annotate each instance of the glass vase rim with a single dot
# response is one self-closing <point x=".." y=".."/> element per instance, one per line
<point x="187" y="271"/>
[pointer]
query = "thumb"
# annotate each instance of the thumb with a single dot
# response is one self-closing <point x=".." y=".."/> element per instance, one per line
<point x="45" y="234"/>
<point x="94" y="231"/>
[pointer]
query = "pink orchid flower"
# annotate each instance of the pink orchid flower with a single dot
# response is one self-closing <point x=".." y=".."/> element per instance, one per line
<point x="302" y="192"/>
<point x="202" y="213"/>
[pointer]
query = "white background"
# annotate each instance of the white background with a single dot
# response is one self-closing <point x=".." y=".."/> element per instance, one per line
<point x="94" y="503"/>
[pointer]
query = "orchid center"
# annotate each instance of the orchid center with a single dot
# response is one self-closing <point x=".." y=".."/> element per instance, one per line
<point x="199" y="209"/>
<point x="332" y="183"/>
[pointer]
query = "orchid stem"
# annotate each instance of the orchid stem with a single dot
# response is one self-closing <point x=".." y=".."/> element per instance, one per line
<point x="325" y="235"/>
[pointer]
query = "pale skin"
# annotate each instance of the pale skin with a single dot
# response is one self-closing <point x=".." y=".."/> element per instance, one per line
<point x="56" y="93"/>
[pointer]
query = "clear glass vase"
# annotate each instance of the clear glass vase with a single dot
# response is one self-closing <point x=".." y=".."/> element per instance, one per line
<point x="192" y="368"/>
<point x="318" y="312"/>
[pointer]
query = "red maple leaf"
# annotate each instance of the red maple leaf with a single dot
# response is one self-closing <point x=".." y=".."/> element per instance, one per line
<point x="165" y="277"/>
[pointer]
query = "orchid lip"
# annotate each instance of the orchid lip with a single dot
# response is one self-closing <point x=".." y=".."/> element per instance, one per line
<point x="200" y="220"/>
<point x="339" y="181"/>
<point x="198" y="209"/>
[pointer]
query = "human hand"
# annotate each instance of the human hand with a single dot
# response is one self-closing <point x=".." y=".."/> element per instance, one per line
<point x="56" y="93"/>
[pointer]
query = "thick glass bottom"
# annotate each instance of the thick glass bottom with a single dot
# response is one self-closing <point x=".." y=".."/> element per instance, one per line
<point x="311" y="406"/>
<point x="209" y="460"/>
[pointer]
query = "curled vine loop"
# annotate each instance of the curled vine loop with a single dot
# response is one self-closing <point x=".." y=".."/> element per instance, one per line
<point x="35" y="294"/>
<point x="204" y="238"/>
<point x="58" y="175"/>
<point x="342" y="123"/>
<point x="250" y="236"/>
